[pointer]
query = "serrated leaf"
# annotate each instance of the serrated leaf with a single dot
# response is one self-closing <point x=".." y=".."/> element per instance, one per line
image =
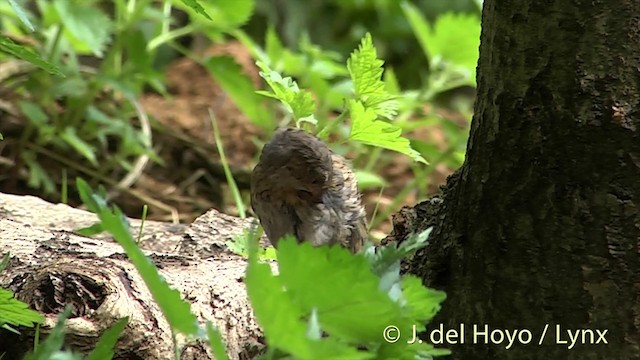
<point x="89" y="28"/>
<point x="279" y="313"/>
<point x="425" y="302"/>
<point x="298" y="102"/>
<point x="21" y="52"/>
<point x="15" y="312"/>
<point x="239" y="87"/>
<point x="365" y="70"/>
<point x="346" y="290"/>
<point x="367" y="130"/>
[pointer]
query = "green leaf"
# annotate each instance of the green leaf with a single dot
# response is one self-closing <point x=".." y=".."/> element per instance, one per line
<point x="195" y="5"/>
<point x="298" y="102"/>
<point x="5" y="262"/>
<point x="420" y="27"/>
<point x="54" y="341"/>
<point x="22" y="15"/>
<point x="366" y="72"/>
<point x="89" y="29"/>
<point x="33" y="112"/>
<point x="367" y="130"/>
<point x="74" y="86"/>
<point x="21" y="52"/>
<point x="90" y="230"/>
<point x="239" y="87"/>
<point x="385" y="261"/>
<point x="367" y="180"/>
<point x="455" y="37"/>
<point x="15" y="312"/>
<point x="273" y="46"/>
<point x="392" y="85"/>
<point x="38" y="177"/>
<point x="424" y="302"/>
<point x="223" y="15"/>
<point x="176" y="311"/>
<point x="215" y="343"/>
<point x="280" y="316"/>
<point x="70" y="136"/>
<point x="106" y="344"/>
<point x="346" y="291"/>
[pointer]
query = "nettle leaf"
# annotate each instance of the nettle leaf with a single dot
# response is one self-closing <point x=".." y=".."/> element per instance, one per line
<point x="15" y="312"/>
<point x="366" y="72"/>
<point x="341" y="313"/>
<point x="282" y="318"/>
<point x="366" y="129"/>
<point x="424" y="302"/>
<point x="346" y="297"/>
<point x="89" y="29"/>
<point x="298" y="102"/>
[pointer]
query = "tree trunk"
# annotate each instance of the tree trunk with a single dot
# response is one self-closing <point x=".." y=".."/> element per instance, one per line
<point x="541" y="225"/>
<point x="51" y="267"/>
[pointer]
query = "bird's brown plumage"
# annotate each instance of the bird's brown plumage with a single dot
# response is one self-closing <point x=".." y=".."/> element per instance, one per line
<point x="300" y="187"/>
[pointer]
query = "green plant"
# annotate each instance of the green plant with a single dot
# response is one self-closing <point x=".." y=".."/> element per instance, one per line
<point x="92" y="110"/>
<point x="366" y="99"/>
<point x="52" y="346"/>
<point x="14" y="312"/>
<point x="327" y="303"/>
<point x="349" y="298"/>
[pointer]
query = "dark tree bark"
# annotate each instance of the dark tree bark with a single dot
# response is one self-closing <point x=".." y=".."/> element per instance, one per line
<point x="541" y="225"/>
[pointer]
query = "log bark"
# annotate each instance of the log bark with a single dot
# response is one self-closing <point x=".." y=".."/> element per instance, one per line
<point x="541" y="225"/>
<point x="51" y="267"/>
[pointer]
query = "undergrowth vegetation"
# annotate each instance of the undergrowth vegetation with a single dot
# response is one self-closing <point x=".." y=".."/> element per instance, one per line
<point x="71" y="81"/>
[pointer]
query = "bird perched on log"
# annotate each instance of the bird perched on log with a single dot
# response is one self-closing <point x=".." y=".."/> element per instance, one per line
<point x="301" y="187"/>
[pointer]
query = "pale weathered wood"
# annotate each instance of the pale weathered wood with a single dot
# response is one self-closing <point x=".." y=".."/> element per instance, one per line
<point x="51" y="266"/>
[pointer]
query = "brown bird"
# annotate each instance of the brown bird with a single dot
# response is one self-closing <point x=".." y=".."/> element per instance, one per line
<point x="300" y="187"/>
